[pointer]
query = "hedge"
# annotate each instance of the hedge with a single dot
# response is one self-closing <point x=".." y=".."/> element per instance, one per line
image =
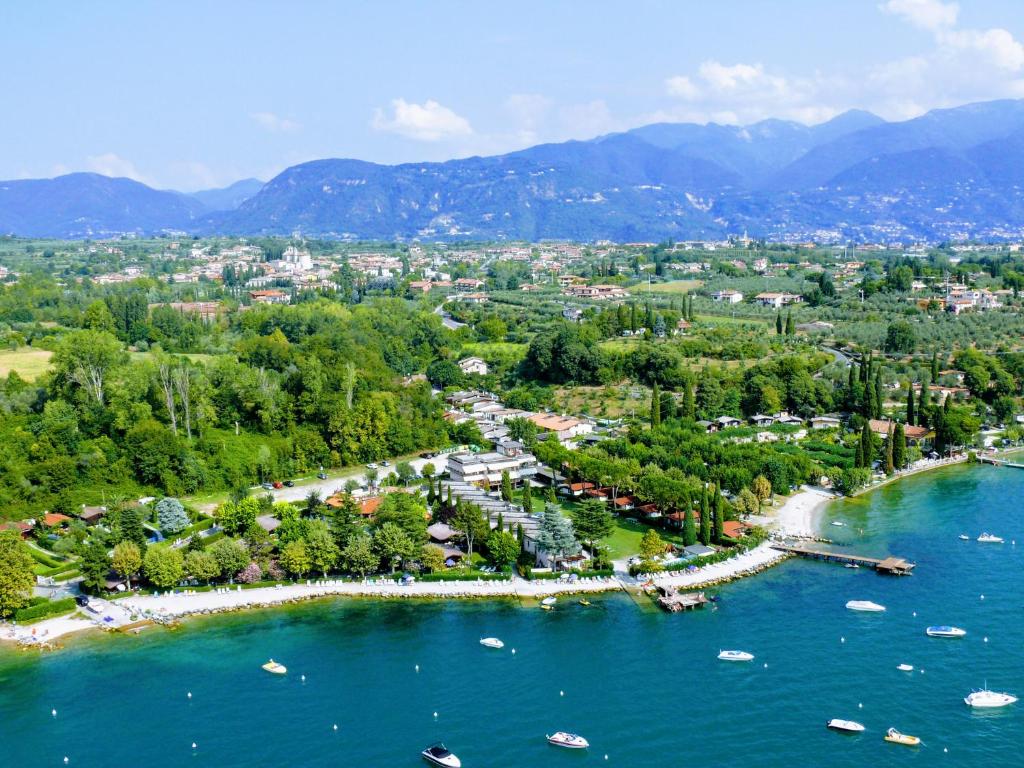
<point x="462" y="576"/>
<point x="45" y="610"/>
<point x="41" y="557"/>
<point x="529" y="575"/>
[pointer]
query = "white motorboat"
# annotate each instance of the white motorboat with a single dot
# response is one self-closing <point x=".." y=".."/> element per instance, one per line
<point x="964" y="537"/>
<point x="439" y="754"/>
<point x="989" y="538"/>
<point x="549" y="600"/>
<point x="865" y="605"/>
<point x="851" y="566"/>
<point x="838" y="523"/>
<point x="849" y="726"/>
<point x="905" y="667"/>
<point x="491" y="642"/>
<point x="989" y="699"/>
<point x="735" y="656"/>
<point x="274" y="668"/>
<point x="567" y="740"/>
<point x="945" y="631"/>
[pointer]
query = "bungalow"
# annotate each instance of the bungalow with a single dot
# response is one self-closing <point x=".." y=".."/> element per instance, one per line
<point x="475" y="365"/>
<point x="599" y="292"/>
<point x="91" y="515"/>
<point x="734" y="529"/>
<point x="469" y="282"/>
<point x="785" y="417"/>
<point x="23" y="529"/>
<point x="55" y="519"/>
<point x="915" y="435"/>
<point x="441" y="533"/>
<point x="727" y="422"/>
<point x="682" y="327"/>
<point x="762" y="420"/>
<point x="565" y="427"/>
<point x="623" y="503"/>
<point x="578" y="489"/>
<point x="766" y="437"/>
<point x="573" y="314"/>
<point x="708" y="426"/>
<point x="825" y="422"/>
<point x="698" y="550"/>
<point x="473" y="298"/>
<point x="727" y="296"/>
<point x="420" y="285"/>
<point x="272" y="296"/>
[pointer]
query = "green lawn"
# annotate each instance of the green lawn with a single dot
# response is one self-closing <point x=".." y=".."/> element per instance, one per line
<point x="495" y="350"/>
<point x="671" y="287"/>
<point x="27" y="362"/>
<point x="625" y="541"/>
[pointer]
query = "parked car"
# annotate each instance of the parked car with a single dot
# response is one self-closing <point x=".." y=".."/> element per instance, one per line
<point x="371" y="465"/>
<point x="385" y="463"/>
<point x="278" y="484"/>
<point x="322" y="475"/>
<point x="289" y="483"/>
<point x="267" y="486"/>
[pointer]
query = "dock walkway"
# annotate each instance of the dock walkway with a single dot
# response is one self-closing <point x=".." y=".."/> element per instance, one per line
<point x="999" y="462"/>
<point x="897" y="566"/>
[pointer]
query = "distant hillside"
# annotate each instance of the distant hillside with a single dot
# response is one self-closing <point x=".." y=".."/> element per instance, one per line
<point x="951" y="173"/>
<point x="228" y="198"/>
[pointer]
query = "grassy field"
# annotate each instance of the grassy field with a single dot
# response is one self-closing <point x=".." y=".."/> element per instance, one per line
<point x="495" y="349"/>
<point x="673" y="287"/>
<point x="610" y="402"/>
<point x="625" y="541"/>
<point x="727" y="320"/>
<point x="27" y="362"/>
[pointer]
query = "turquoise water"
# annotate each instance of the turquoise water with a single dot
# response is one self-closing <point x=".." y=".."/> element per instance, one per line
<point x="642" y="686"/>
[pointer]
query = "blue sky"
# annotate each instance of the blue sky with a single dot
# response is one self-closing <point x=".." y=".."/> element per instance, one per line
<point x="190" y="95"/>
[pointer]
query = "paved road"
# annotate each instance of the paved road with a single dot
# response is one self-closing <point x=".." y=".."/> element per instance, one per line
<point x="327" y="487"/>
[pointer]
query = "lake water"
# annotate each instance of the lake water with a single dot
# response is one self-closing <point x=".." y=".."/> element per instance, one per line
<point x="644" y="687"/>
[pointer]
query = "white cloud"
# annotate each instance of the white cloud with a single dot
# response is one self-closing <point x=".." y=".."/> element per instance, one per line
<point x="932" y="15"/>
<point x="111" y="164"/>
<point x="682" y="87"/>
<point x="429" y="121"/>
<point x="274" y="123"/>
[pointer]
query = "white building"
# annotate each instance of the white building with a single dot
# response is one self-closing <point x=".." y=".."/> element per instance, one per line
<point x="727" y="296"/>
<point x="486" y="468"/>
<point x="473" y="365"/>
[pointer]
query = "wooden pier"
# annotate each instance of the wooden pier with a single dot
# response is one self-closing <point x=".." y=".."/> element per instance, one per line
<point x="895" y="566"/>
<point x="999" y="462"/>
<point x="673" y="601"/>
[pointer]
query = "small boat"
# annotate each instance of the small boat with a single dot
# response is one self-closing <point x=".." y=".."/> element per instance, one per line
<point x="849" y="726"/>
<point x="989" y="699"/>
<point x="851" y="565"/>
<point x="546" y="607"/>
<point x="274" y="668"/>
<point x="567" y="740"/>
<point x="945" y="631"/>
<point x="989" y="538"/>
<point x="964" y="537"/>
<point x="865" y="605"/>
<point x="584" y="602"/>
<point x="549" y="600"/>
<point x="491" y="642"/>
<point x="905" y="667"/>
<point x="838" y="523"/>
<point x="735" y="656"/>
<point x="895" y="737"/>
<point x="439" y="754"/>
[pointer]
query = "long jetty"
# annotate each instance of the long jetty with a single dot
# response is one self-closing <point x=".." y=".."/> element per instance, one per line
<point x="999" y="462"/>
<point x="896" y="566"/>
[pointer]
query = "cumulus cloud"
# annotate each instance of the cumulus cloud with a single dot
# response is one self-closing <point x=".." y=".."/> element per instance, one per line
<point x="111" y="164"/>
<point x="429" y="121"/>
<point x="932" y="15"/>
<point x="274" y="123"/>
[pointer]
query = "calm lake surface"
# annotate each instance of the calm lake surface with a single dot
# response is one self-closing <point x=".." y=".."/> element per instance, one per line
<point x="644" y="687"/>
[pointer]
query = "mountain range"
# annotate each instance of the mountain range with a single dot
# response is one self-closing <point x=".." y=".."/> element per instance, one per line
<point x="949" y="174"/>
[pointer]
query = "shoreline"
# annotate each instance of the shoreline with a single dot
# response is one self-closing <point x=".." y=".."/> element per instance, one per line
<point x="798" y="517"/>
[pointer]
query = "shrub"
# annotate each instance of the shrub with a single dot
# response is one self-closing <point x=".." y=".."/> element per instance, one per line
<point x="45" y="609"/>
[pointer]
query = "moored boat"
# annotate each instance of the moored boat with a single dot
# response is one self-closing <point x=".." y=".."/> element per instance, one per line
<point x="964" y="537"/>
<point x="567" y="740"/>
<point x="895" y="737"/>
<point x="945" y="631"/>
<point x="848" y="726"/>
<point x="491" y="642"/>
<point x="905" y="667"/>
<point x="551" y="600"/>
<point x="989" y="538"/>
<point x="735" y="656"/>
<point x="547" y="607"/>
<point x="584" y="602"/>
<point x="986" y="699"/>
<point x="439" y="754"/>
<point x="274" y="668"/>
<point x="865" y="605"/>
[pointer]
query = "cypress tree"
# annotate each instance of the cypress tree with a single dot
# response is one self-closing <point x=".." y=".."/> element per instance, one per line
<point x="851" y="373"/>
<point x="911" y="416"/>
<point x="551" y="495"/>
<point x="500" y="525"/>
<point x="689" y="407"/>
<point x="858" y="453"/>
<point x="899" y="447"/>
<point x="506" y="486"/>
<point x="655" y="406"/>
<point x="705" y="520"/>
<point x="719" y="516"/>
<point x="935" y="366"/>
<point x="868" y="448"/>
<point x="790" y="325"/>
<point x="878" y="398"/>
<point x="633" y="320"/>
<point x="527" y="499"/>
<point x="924" y="402"/>
<point x="889" y="451"/>
<point x="689" y="523"/>
<point x="689" y="311"/>
<point x="778" y="323"/>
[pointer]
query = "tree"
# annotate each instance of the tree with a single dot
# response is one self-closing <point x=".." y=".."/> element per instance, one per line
<point x="295" y="559"/>
<point x="651" y="545"/>
<point x="523" y="430"/>
<point x="889" y="452"/>
<point x="444" y="373"/>
<point x="428" y="470"/>
<point x="406" y="510"/>
<point x="237" y="517"/>
<point x="202" y="566"/>
<point x="778" y="323"/>
<point x="899" y="447"/>
<point x="313" y="503"/>
<point x="97" y="317"/>
<point x="392" y="545"/>
<point x="345" y="520"/>
<point x="164" y="566"/>
<point x="592" y="522"/>
<point x="86" y="359"/>
<point x="95" y="565"/>
<point x="688" y="410"/>
<point x="719" y="512"/>
<point x="503" y="548"/>
<point x="745" y="502"/>
<point x="555" y="534"/>
<point x="323" y="551"/>
<point x="790" y="324"/>
<point x="655" y="406"/>
<point x="705" y="520"/>
<point x="911" y="416"/>
<point x="171" y="515"/>
<point x="405" y="472"/>
<point x="16" y="577"/>
<point x="469" y="521"/>
<point x="689" y="523"/>
<point x="527" y="499"/>
<point x="506" y="485"/>
<point x="935" y="365"/>
<point x="762" y="489"/>
<point x="432" y="557"/>
<point x="358" y="556"/>
<point x="230" y="555"/>
<point x="126" y="559"/>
